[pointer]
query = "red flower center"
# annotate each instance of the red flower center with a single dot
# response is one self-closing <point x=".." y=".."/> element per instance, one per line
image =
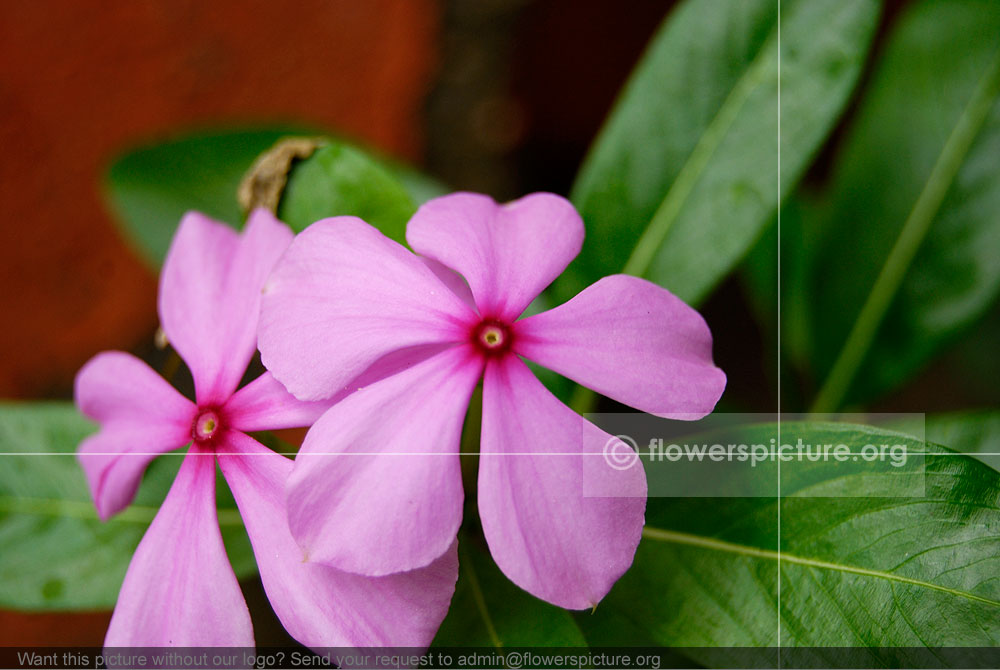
<point x="492" y="337"/>
<point x="205" y="425"/>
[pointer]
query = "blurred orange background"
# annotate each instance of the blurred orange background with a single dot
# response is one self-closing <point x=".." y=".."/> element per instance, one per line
<point x="81" y="81"/>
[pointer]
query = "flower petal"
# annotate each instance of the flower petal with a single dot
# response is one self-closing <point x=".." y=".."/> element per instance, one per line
<point x="264" y="404"/>
<point x="344" y="296"/>
<point x="210" y="296"/>
<point x="180" y="589"/>
<point x="141" y="416"/>
<point x="116" y="386"/>
<point x="452" y="280"/>
<point x="632" y="341"/>
<point x="377" y="485"/>
<point x="545" y="532"/>
<point x="508" y="253"/>
<point x="321" y="606"/>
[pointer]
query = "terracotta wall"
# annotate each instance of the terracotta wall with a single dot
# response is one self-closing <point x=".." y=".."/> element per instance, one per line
<point x="80" y="80"/>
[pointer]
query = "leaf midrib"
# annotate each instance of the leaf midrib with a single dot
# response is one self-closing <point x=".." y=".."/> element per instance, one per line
<point x="673" y="202"/>
<point x="702" y="542"/>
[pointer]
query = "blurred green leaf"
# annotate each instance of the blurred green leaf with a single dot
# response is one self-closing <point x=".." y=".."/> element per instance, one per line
<point x="151" y="188"/>
<point x="684" y="175"/>
<point x="57" y="554"/>
<point x="911" y="241"/>
<point x="912" y="567"/>
<point x="420" y="186"/>
<point x="490" y="611"/>
<point x="974" y="360"/>
<point x="339" y="180"/>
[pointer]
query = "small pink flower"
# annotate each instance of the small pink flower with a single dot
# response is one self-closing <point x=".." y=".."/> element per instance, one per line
<point x="403" y="340"/>
<point x="180" y="588"/>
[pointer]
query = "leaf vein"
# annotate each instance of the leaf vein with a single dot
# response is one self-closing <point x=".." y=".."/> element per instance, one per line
<point x="744" y="550"/>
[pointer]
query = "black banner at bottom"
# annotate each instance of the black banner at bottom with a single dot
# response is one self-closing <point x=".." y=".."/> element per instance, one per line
<point x="460" y="658"/>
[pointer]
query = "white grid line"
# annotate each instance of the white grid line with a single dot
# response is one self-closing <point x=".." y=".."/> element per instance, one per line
<point x="778" y="307"/>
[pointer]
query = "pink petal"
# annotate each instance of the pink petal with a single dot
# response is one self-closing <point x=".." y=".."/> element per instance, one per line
<point x="632" y="341"/>
<point x="318" y="605"/>
<point x="141" y="416"/>
<point x="343" y="297"/>
<point x="452" y="280"/>
<point x="508" y="253"/>
<point x="180" y="589"/>
<point x="545" y="532"/>
<point x="377" y="486"/>
<point x="116" y="386"/>
<point x="210" y="296"/>
<point x="264" y="404"/>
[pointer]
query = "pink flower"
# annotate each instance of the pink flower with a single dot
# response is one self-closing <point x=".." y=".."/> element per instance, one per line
<point x="404" y="341"/>
<point x="179" y="588"/>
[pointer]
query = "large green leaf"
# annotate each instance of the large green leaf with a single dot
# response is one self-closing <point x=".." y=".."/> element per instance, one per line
<point x="913" y="567"/>
<point x="684" y="176"/>
<point x="56" y="553"/>
<point x="909" y="255"/>
<point x="339" y="180"/>
<point x="152" y="187"/>
<point x="490" y="611"/>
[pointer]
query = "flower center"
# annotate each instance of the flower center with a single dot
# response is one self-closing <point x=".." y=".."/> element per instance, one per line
<point x="492" y="337"/>
<point x="205" y="426"/>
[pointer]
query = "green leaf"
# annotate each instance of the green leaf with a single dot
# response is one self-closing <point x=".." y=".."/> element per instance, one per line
<point x="420" y="186"/>
<point x="970" y="432"/>
<point x="912" y="567"/>
<point x="490" y="611"/>
<point x="910" y="253"/>
<point x="339" y="180"/>
<point x="57" y="554"/>
<point x="151" y="188"/>
<point x="684" y="176"/>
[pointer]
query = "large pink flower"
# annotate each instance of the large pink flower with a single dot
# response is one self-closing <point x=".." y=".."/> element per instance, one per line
<point x="403" y="340"/>
<point x="179" y="588"/>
